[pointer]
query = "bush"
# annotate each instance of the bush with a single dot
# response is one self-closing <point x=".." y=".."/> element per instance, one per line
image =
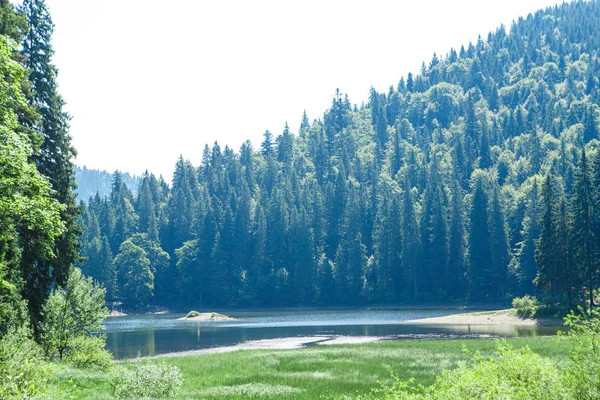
<point x="87" y="351"/>
<point x="22" y="374"/>
<point x="147" y="380"/>
<point x="512" y="374"/>
<point x="583" y="372"/>
<point x="526" y="306"/>
<point x="192" y="314"/>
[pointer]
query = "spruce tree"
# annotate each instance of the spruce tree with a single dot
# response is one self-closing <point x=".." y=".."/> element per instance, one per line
<point x="585" y="247"/>
<point x="411" y="244"/>
<point x="547" y="249"/>
<point x="55" y="156"/>
<point x="456" y="245"/>
<point x="481" y="286"/>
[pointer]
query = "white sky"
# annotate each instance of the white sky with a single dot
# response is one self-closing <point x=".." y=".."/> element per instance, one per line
<point x="146" y="80"/>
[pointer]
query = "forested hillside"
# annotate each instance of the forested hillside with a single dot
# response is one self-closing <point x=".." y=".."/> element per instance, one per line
<point x="92" y="181"/>
<point x="437" y="190"/>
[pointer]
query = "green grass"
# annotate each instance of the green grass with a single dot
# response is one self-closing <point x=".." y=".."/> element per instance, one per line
<point x="310" y="373"/>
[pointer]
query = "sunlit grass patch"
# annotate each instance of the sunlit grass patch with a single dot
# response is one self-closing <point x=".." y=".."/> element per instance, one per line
<point x="311" y="373"/>
<point x="245" y="391"/>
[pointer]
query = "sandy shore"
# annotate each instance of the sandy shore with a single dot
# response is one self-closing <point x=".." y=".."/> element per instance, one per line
<point x="499" y="317"/>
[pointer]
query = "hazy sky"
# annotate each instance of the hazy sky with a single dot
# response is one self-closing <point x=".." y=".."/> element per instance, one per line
<point x="146" y="81"/>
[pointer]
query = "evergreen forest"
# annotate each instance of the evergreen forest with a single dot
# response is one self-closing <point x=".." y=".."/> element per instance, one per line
<point x="474" y="181"/>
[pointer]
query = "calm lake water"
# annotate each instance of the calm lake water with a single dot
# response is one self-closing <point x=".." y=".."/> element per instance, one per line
<point x="150" y="335"/>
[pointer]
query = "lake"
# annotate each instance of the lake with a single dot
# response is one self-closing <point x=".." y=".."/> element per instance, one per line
<point x="149" y="335"/>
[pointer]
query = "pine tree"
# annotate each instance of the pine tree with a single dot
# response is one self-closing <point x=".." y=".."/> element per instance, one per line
<point x="590" y="126"/>
<point x="498" y="245"/>
<point x="585" y="248"/>
<point x="350" y="255"/>
<point x="531" y="233"/>
<point x="146" y="208"/>
<point x="55" y="156"/>
<point x="456" y="246"/>
<point x="285" y="144"/>
<point x="411" y="244"/>
<point x="481" y="287"/>
<point x="547" y="249"/>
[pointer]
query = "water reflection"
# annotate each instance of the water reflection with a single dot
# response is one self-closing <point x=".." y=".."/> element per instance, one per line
<point x="128" y="337"/>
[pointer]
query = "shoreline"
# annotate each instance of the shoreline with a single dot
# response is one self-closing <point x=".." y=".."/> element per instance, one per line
<point x="390" y="307"/>
<point x="497" y="317"/>
<point x="286" y="343"/>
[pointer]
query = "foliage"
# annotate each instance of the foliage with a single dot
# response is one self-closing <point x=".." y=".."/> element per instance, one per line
<point x="22" y="374"/>
<point x="54" y="159"/>
<point x="526" y="306"/>
<point x="134" y="274"/>
<point x="72" y="311"/>
<point x="583" y="373"/>
<point x="520" y="373"/>
<point x="147" y="381"/>
<point x="512" y="373"/>
<point x="30" y="220"/>
<point x="86" y="351"/>
<point x="13" y="311"/>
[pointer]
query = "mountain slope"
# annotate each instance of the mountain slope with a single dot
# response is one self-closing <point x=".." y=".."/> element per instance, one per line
<point x="430" y="193"/>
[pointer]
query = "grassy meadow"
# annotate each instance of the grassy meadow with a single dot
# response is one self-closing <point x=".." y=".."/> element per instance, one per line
<point x="329" y="372"/>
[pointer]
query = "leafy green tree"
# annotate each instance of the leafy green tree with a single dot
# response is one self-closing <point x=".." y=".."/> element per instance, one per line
<point x="71" y="311"/>
<point x="159" y="263"/>
<point x="135" y="280"/>
<point x="30" y="217"/>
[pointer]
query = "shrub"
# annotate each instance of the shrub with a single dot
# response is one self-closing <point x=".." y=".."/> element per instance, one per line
<point x="512" y="374"/>
<point x="86" y="351"/>
<point x="147" y="380"/>
<point x="192" y="314"/>
<point x="526" y="306"/>
<point x="583" y="371"/>
<point x="22" y="374"/>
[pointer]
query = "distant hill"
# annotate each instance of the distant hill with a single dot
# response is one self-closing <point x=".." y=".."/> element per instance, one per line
<point x="90" y="181"/>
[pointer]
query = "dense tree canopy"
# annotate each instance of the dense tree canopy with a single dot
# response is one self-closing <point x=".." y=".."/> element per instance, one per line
<point x="433" y="191"/>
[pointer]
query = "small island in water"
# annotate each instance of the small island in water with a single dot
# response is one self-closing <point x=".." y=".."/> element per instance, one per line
<point x="206" y="316"/>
